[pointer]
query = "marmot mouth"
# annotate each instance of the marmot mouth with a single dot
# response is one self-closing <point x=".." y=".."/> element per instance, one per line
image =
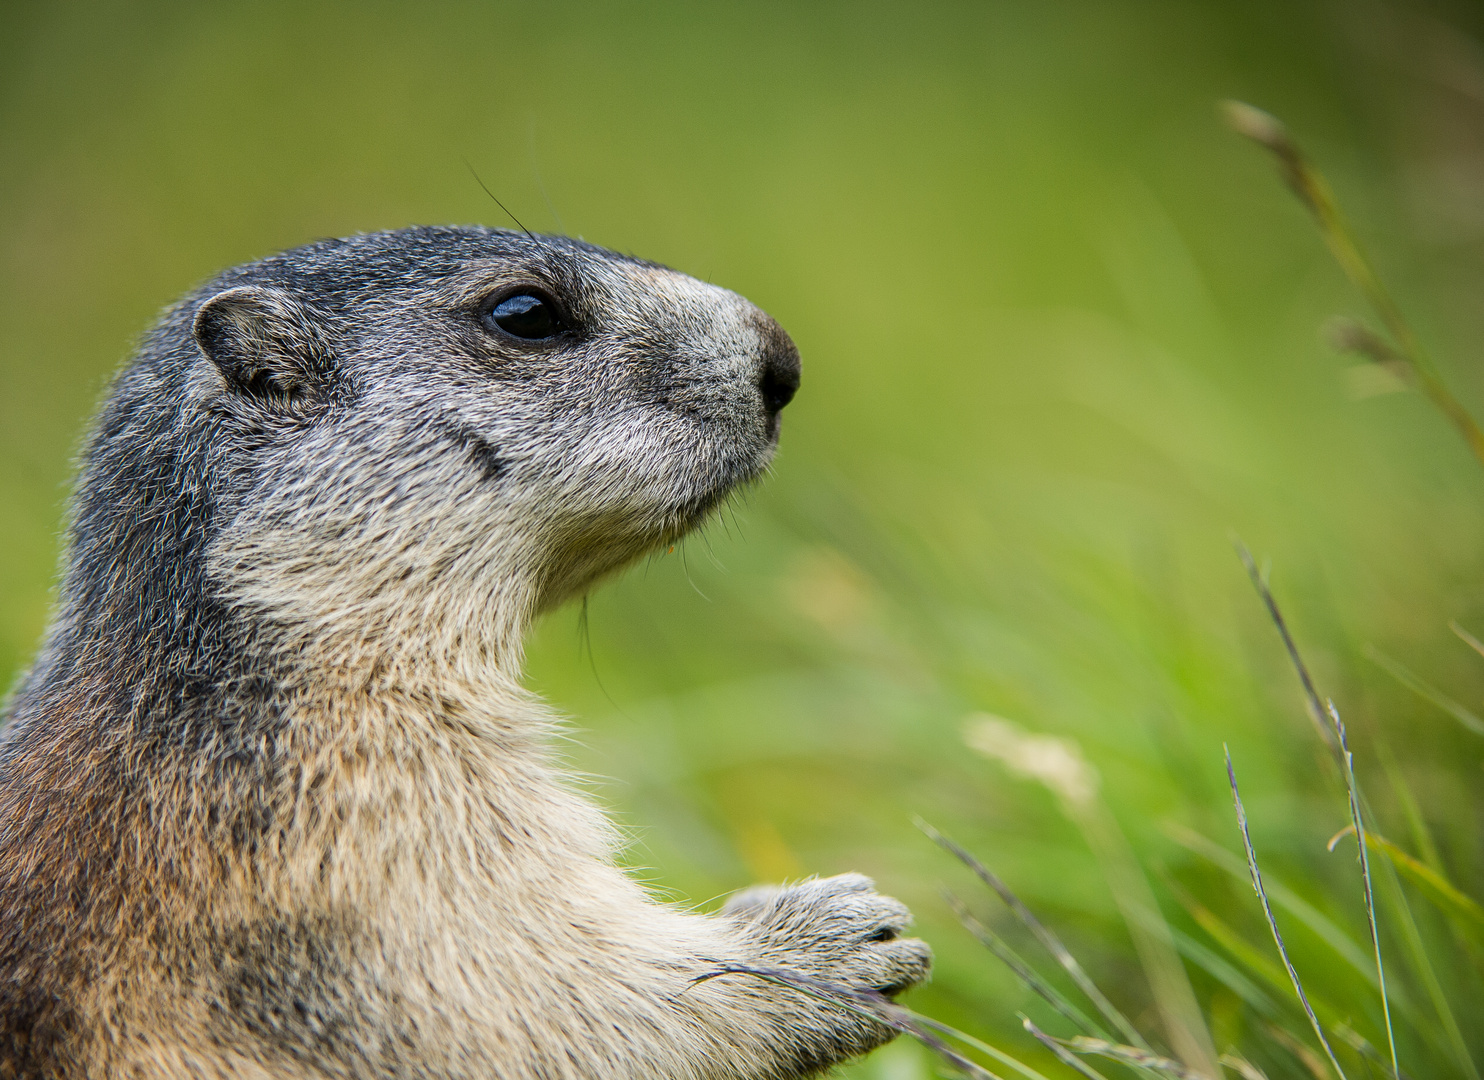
<point x="692" y="512"/>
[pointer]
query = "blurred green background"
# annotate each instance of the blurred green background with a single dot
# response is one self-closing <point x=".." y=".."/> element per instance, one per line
<point x="1060" y="339"/>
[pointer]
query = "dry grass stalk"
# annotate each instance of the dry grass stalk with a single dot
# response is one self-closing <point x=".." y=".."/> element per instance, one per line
<point x="1313" y="190"/>
<point x="1064" y="1055"/>
<point x="1129" y="1055"/>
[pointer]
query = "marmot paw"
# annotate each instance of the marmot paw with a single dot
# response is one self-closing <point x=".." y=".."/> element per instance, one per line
<point x="839" y="929"/>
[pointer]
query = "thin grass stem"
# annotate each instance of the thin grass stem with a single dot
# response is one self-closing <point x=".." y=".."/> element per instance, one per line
<point x="1448" y="898"/>
<point x="1422" y="964"/>
<point x="1317" y="922"/>
<point x="1018" y="966"/>
<point x="983" y="1047"/>
<point x="1365" y="875"/>
<point x="1218" y="967"/>
<point x="1361" y="1045"/>
<point x="1059" y="765"/>
<point x="1466" y="637"/>
<point x="1228" y="938"/>
<point x="867" y="1004"/>
<point x="1267" y="911"/>
<point x="1066" y="1057"/>
<point x="1411" y="936"/>
<point x="1311" y="695"/>
<point x="1271" y="973"/>
<point x="1042" y="933"/>
<point x="1130" y="1055"/>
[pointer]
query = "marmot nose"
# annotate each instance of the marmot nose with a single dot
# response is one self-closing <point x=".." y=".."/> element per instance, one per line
<point x="778" y="380"/>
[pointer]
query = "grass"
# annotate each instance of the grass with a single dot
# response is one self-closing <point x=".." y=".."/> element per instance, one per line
<point x="1059" y="339"/>
<point x="1060" y="767"/>
<point x="1056" y="764"/>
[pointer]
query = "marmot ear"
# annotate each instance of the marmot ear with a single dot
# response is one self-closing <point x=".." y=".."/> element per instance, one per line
<point x="267" y="344"/>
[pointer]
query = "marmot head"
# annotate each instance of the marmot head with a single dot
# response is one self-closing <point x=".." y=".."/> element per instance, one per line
<point x="413" y="441"/>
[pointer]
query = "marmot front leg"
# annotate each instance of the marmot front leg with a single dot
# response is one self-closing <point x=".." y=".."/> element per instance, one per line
<point x="836" y="929"/>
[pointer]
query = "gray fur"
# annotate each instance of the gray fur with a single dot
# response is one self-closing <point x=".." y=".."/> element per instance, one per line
<point x="272" y="799"/>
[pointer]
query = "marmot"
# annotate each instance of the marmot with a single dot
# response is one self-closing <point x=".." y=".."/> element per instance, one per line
<point x="273" y="802"/>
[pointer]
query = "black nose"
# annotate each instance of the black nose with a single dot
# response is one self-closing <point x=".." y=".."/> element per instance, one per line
<point x="778" y="381"/>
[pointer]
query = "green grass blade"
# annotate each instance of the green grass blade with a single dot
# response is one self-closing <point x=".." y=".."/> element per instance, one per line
<point x="1324" y="928"/>
<point x="983" y="1047"/>
<point x="1220" y="969"/>
<point x="1184" y="1024"/>
<point x="1362" y="1046"/>
<point x="1043" y="934"/>
<point x="1301" y="1052"/>
<point x="1463" y="909"/>
<point x="1242" y="1067"/>
<point x="1427" y="693"/>
<point x="1253" y="959"/>
<point x="1228" y="938"/>
<point x="1074" y="782"/>
<point x="1020" y="968"/>
<point x="1416" y="823"/>
<point x="1466" y="637"/>
<point x="1423" y="967"/>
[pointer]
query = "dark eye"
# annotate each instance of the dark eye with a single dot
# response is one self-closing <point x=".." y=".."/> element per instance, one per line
<point x="525" y="315"/>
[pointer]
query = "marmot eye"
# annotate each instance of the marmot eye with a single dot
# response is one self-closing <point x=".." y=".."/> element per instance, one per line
<point x="525" y="315"/>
